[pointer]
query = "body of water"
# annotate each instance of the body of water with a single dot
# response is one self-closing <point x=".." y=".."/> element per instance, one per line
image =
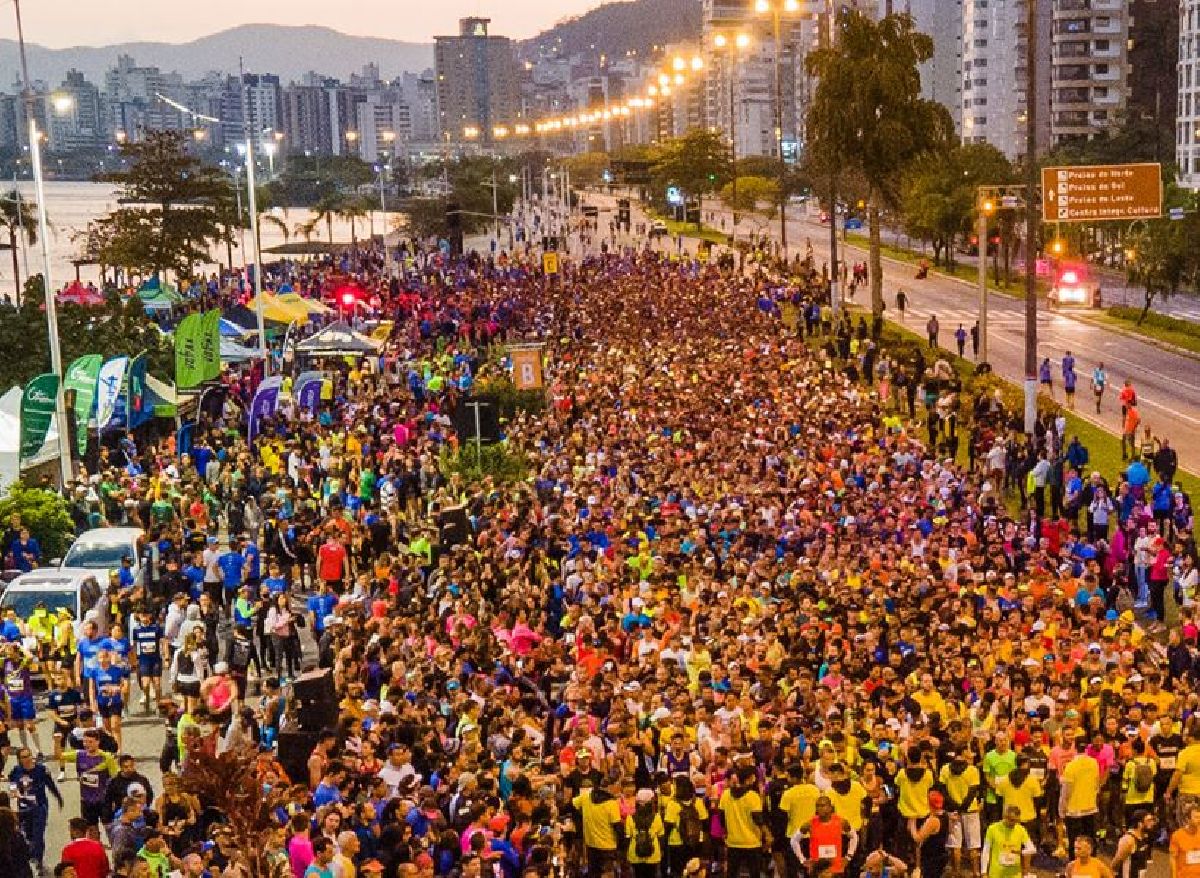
<point x="72" y="205"/>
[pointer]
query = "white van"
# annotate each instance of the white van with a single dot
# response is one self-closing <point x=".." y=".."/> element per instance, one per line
<point x="77" y="589"/>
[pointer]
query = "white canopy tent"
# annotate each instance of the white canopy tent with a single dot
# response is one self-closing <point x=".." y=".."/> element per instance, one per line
<point x="10" y="440"/>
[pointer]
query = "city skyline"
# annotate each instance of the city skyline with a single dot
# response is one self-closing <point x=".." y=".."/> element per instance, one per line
<point x="61" y="24"/>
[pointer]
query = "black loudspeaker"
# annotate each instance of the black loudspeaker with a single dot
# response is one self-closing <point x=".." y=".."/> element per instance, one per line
<point x="489" y="420"/>
<point x="294" y="750"/>
<point x="453" y="526"/>
<point x="454" y="229"/>
<point x="315" y="700"/>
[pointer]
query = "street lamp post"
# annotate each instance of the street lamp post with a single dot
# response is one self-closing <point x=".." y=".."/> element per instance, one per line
<point x="1031" y="214"/>
<point x="732" y="46"/>
<point x="986" y="206"/>
<point x="776" y="9"/>
<point x="39" y="188"/>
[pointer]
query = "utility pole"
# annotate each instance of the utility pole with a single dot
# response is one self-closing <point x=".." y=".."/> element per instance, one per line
<point x="1032" y="205"/>
<point x="981" y="235"/>
<point x="66" y="470"/>
<point x="252" y="205"/>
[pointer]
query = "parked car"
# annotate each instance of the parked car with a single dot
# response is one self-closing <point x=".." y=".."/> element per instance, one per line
<point x="103" y="548"/>
<point x="658" y="228"/>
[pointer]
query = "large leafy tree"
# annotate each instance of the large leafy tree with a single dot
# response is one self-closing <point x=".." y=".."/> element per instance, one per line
<point x="750" y="192"/>
<point x="868" y="112"/>
<point x="938" y="198"/>
<point x="18" y="218"/>
<point x="119" y="327"/>
<point x="172" y="215"/>
<point x="699" y="163"/>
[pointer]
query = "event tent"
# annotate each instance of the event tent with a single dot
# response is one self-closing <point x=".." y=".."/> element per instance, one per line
<point x="10" y="439"/>
<point x="232" y="352"/>
<point x="229" y="329"/>
<point x="311" y="305"/>
<point x="337" y="339"/>
<point x="280" y="312"/>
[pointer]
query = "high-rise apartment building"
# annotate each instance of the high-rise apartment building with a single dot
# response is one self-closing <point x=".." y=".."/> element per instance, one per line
<point x="477" y="82"/>
<point x="740" y="97"/>
<point x="1090" y="78"/>
<point x="252" y="104"/>
<point x="307" y="127"/>
<point x="995" y="74"/>
<point x="75" y="121"/>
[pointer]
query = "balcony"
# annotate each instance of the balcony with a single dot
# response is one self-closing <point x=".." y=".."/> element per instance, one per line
<point x="1066" y="96"/>
<point x="1073" y="49"/>
<point x="1068" y="74"/>
<point x="1064" y="8"/>
<point x="1067" y="28"/>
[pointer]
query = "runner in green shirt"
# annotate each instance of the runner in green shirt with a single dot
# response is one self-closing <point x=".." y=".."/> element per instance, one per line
<point x="1007" y="847"/>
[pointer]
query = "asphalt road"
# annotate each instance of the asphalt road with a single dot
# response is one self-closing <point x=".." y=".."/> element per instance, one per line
<point x="1167" y="384"/>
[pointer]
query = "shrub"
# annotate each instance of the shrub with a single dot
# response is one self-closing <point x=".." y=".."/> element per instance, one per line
<point x="509" y="400"/>
<point x="46" y="515"/>
<point x="500" y="461"/>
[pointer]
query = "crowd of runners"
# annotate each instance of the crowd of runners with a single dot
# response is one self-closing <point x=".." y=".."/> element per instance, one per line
<point x="776" y="596"/>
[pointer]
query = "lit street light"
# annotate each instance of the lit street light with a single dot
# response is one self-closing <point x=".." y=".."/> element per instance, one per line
<point x="35" y="160"/>
<point x="732" y="46"/>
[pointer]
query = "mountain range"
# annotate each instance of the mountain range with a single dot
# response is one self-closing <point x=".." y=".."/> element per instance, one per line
<point x="611" y="29"/>
<point x="264" y="48"/>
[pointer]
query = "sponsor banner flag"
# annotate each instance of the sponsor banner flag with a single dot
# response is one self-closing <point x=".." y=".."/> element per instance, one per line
<point x="263" y="406"/>
<point x="37" y="410"/>
<point x="308" y="390"/>
<point x="109" y="384"/>
<point x="137" y="403"/>
<point x="187" y="352"/>
<point x="81" y="377"/>
<point x="210" y="345"/>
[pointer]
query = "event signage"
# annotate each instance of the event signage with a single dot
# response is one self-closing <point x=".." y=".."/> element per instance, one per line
<point x="188" y="373"/>
<point x="308" y="390"/>
<point x="1092" y="193"/>
<point x="108" y="389"/>
<point x="137" y="407"/>
<point x="37" y="410"/>
<point x="527" y="368"/>
<point x="210" y="345"/>
<point x="265" y="400"/>
<point x="81" y="377"/>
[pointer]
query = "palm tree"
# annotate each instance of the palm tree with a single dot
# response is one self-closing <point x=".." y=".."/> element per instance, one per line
<point x="322" y="212"/>
<point x="354" y="208"/>
<point x="18" y="217"/>
<point x="869" y="115"/>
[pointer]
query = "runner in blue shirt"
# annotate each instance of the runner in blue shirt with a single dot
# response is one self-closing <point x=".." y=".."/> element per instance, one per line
<point x="148" y="645"/>
<point x="118" y="645"/>
<point x="17" y="683"/>
<point x="86" y="651"/>
<point x="253" y="560"/>
<point x="232" y="565"/>
<point x="111" y="685"/>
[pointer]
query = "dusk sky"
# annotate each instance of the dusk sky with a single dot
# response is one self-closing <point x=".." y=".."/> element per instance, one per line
<point x="60" y="23"/>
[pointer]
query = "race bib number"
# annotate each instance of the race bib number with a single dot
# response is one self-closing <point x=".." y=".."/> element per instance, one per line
<point x="1039" y="773"/>
<point x="1167" y="762"/>
<point x="89" y="779"/>
<point x="16" y="685"/>
<point x="148" y="648"/>
<point x="1192" y="858"/>
<point x="827" y="852"/>
<point x="1008" y="858"/>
